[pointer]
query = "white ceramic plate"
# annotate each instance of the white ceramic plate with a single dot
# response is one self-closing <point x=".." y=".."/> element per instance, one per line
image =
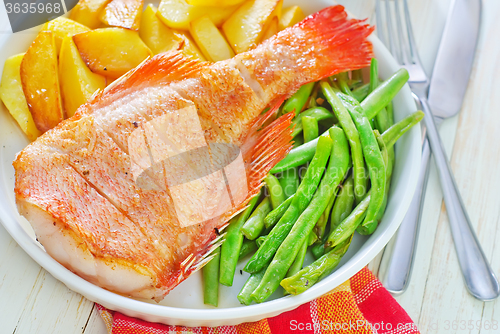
<point x="184" y="305"/>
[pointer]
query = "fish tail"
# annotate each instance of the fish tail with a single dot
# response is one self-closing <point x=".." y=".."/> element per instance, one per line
<point x="323" y="44"/>
<point x="338" y="43"/>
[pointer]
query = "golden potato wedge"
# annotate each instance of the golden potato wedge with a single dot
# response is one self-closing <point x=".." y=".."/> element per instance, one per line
<point x="123" y="13"/>
<point x="77" y="81"/>
<point x="87" y="12"/>
<point x="291" y="16"/>
<point x="189" y="47"/>
<point x="111" y="52"/>
<point x="245" y="28"/>
<point x="12" y="95"/>
<point x="40" y="79"/>
<point x="272" y="29"/>
<point x="210" y="40"/>
<point x="157" y="36"/>
<point x="63" y="27"/>
<point x="220" y="3"/>
<point x="178" y="14"/>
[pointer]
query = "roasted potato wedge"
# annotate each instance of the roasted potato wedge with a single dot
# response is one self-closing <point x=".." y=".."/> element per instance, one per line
<point x="77" y="81"/>
<point x="87" y="12"/>
<point x="246" y="27"/>
<point x="219" y="3"/>
<point x="63" y="27"/>
<point x="40" y="79"/>
<point x="189" y="47"/>
<point x="291" y="16"/>
<point x="123" y="13"/>
<point x="210" y="40"/>
<point x="157" y="36"/>
<point x="178" y="14"/>
<point x="12" y="95"/>
<point x="111" y="52"/>
<point x="272" y="29"/>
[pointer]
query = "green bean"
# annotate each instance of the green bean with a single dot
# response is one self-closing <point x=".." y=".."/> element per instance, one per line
<point x="360" y="179"/>
<point x="357" y="75"/>
<point x="298" y="141"/>
<point x="312" y="238"/>
<point x="298" y="263"/>
<point x="312" y="99"/>
<point x="310" y="125"/>
<point x="255" y="224"/>
<point x="391" y="135"/>
<point x="275" y="191"/>
<point x="248" y="246"/>
<point x="341" y="209"/>
<point x="298" y="100"/>
<point x="299" y="260"/>
<point x="317" y="270"/>
<point x="343" y="205"/>
<point x="233" y="241"/>
<point x="260" y="240"/>
<point x="319" y="113"/>
<point x="211" y="280"/>
<point x="363" y="230"/>
<point x="374" y="82"/>
<point x="250" y="285"/>
<point x="343" y="82"/>
<point x="320" y="227"/>
<point x="298" y="156"/>
<point x="390" y="122"/>
<point x="385" y="154"/>
<point x="388" y="170"/>
<point x="374" y="161"/>
<point x="382" y="120"/>
<point x="274" y="216"/>
<point x="384" y="93"/>
<point x="300" y="201"/>
<point x="355" y="83"/>
<point x="348" y="225"/>
<point x="300" y="232"/>
<point x="319" y="249"/>
<point x="289" y="181"/>
<point x="390" y="114"/>
<point x="361" y="92"/>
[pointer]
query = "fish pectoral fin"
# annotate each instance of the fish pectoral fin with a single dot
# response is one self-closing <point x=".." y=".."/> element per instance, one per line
<point x="264" y="147"/>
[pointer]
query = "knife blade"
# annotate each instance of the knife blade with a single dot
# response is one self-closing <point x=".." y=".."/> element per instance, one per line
<point x="455" y="58"/>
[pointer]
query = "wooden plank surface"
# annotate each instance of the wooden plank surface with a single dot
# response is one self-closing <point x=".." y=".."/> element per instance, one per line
<point x="32" y="301"/>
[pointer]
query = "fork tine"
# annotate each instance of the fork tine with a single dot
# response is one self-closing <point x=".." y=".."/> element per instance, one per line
<point x="380" y="25"/>
<point x="390" y="31"/>
<point x="405" y="52"/>
<point x="411" y="38"/>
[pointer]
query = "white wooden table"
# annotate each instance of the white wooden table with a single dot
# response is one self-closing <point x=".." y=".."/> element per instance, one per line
<point x="32" y="301"/>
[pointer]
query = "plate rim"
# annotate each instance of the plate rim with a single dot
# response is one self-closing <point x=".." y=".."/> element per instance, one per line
<point x="234" y="315"/>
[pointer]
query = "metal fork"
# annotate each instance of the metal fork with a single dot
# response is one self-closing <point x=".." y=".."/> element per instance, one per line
<point x="479" y="278"/>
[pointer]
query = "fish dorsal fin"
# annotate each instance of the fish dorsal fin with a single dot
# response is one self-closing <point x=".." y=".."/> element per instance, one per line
<point x="161" y="69"/>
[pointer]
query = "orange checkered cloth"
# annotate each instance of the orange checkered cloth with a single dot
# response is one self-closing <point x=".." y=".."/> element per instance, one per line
<point x="359" y="305"/>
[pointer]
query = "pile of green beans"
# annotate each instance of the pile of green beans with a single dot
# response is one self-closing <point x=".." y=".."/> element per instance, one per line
<point x="343" y="133"/>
